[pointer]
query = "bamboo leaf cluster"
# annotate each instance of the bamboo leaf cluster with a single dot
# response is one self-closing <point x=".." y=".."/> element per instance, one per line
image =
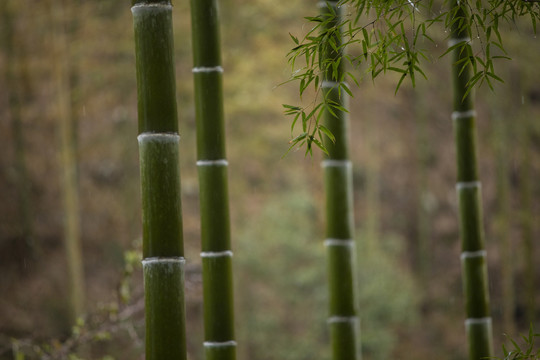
<point x="393" y="37"/>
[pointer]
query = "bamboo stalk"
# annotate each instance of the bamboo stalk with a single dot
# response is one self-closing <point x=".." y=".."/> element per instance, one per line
<point x="219" y="338"/>
<point x="68" y="158"/>
<point x="343" y="320"/>
<point x="163" y="253"/>
<point x="474" y="267"/>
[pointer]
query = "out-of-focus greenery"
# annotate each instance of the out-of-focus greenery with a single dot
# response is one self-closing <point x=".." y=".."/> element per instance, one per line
<point x="282" y="293"/>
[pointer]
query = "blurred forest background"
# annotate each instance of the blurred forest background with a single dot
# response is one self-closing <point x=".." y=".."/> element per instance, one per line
<point x="72" y="62"/>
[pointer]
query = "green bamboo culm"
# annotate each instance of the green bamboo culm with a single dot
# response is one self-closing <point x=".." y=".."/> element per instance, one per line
<point x="473" y="258"/>
<point x="163" y="253"/>
<point x="219" y="339"/>
<point x="343" y="319"/>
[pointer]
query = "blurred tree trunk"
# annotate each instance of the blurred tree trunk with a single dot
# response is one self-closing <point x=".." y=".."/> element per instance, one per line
<point x="68" y="158"/>
<point x="423" y="152"/>
<point x="373" y="188"/>
<point x="16" y="75"/>
<point x="526" y="211"/>
<point x="502" y="221"/>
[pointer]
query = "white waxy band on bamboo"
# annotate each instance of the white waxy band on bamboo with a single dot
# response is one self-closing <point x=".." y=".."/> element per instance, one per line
<point x="339" y="242"/>
<point x="207" y="69"/>
<point x="158" y="137"/>
<point x="453" y="42"/>
<point x="478" y="321"/>
<point x="473" y="254"/>
<point x="163" y="260"/>
<point x="215" y="254"/>
<point x="327" y="84"/>
<point x="342" y="319"/>
<point x="457" y="115"/>
<point x="154" y="5"/>
<point x="336" y="163"/>
<point x="220" y="162"/>
<point x="468" y="185"/>
<point x="216" y="344"/>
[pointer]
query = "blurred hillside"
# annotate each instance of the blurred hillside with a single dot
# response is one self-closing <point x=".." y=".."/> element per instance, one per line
<point x="404" y="174"/>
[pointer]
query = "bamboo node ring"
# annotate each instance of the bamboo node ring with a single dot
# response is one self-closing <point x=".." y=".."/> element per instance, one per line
<point x="207" y="69"/>
<point x="473" y="254"/>
<point x="215" y="254"/>
<point x="342" y="319"/>
<point x="468" y="185"/>
<point x="216" y="344"/>
<point x="478" y="321"/>
<point x="456" y="115"/>
<point x="220" y="162"/>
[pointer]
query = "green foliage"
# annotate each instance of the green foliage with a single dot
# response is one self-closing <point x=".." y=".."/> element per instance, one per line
<point x="523" y="351"/>
<point x="281" y="272"/>
<point x="387" y="295"/>
<point x="393" y="37"/>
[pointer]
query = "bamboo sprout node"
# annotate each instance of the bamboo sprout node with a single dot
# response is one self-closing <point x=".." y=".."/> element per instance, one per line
<point x="220" y="344"/>
<point x="207" y="69"/>
<point x="473" y="254"/>
<point x="456" y="115"/>
<point x="462" y="185"/>
<point x="339" y="242"/>
<point x="342" y="319"/>
<point x="220" y="162"/>
<point x="478" y="321"/>
<point x="336" y="163"/>
<point x="453" y="42"/>
<point x="214" y="254"/>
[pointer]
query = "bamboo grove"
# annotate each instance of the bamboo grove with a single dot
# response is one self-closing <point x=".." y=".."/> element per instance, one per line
<point x="163" y="254"/>
<point x="386" y="258"/>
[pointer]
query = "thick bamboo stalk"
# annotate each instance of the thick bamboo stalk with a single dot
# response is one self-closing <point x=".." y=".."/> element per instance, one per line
<point x="473" y="257"/>
<point x="219" y="338"/>
<point x="68" y="158"/>
<point x="163" y="253"/>
<point x="343" y="320"/>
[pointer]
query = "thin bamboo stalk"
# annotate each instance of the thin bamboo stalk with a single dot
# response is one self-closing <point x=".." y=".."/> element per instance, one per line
<point x="343" y="320"/>
<point x="163" y="252"/>
<point x="473" y="257"/>
<point x="68" y="158"/>
<point x="219" y="338"/>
